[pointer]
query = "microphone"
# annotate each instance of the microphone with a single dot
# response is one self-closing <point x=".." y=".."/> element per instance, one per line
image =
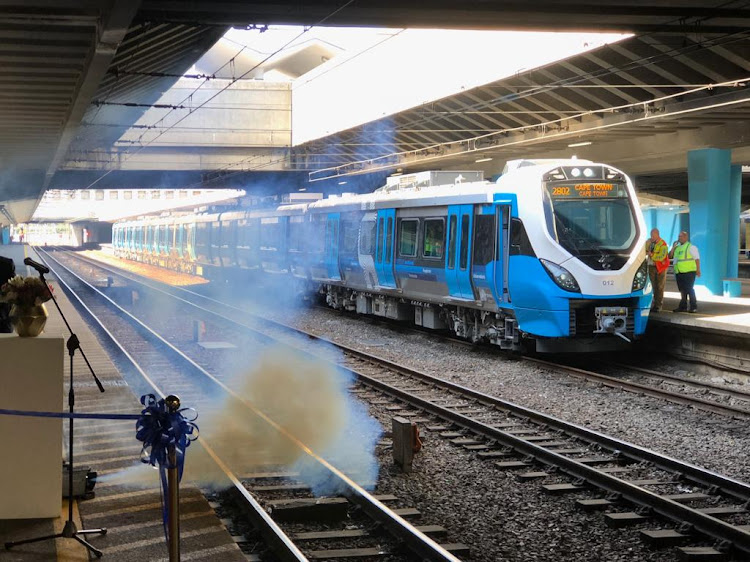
<point x="42" y="269"/>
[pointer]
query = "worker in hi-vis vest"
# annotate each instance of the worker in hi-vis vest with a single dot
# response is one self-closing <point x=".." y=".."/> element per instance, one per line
<point x="687" y="266"/>
<point x="658" y="263"/>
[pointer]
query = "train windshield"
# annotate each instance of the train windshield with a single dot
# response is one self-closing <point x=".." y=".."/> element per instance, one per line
<point x="591" y="219"/>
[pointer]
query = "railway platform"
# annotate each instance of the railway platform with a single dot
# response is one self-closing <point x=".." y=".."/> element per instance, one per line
<point x="718" y="333"/>
<point x="131" y="512"/>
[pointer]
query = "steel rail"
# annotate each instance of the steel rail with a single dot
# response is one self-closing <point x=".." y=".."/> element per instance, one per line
<point x="673" y="510"/>
<point x="283" y="546"/>
<point x="706" y="524"/>
<point x="738" y="394"/>
<point x="402" y="529"/>
<point x="676" y="397"/>
<point x="698" y="474"/>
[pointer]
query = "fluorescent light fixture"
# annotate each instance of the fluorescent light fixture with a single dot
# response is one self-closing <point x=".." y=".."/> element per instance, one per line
<point x="483" y="160"/>
<point x="584" y="143"/>
<point x="302" y="189"/>
<point x="342" y="183"/>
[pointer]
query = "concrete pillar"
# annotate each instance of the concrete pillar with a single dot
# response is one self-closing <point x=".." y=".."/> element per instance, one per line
<point x="713" y="207"/>
<point x="669" y="220"/>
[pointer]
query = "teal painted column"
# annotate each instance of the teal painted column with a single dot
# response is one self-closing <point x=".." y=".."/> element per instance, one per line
<point x="712" y="210"/>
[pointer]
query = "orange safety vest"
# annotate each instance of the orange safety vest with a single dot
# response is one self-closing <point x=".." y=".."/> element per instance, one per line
<point x="662" y="265"/>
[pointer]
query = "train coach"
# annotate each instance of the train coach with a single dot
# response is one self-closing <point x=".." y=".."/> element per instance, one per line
<point x="550" y="256"/>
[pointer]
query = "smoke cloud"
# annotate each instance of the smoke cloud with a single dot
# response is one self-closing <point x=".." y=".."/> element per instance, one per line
<point x="296" y="403"/>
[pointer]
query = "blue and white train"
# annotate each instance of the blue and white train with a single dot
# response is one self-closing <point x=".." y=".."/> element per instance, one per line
<point x="550" y="256"/>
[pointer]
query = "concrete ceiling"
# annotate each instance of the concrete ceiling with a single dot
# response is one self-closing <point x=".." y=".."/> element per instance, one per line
<point x="63" y="61"/>
<point x="642" y="16"/>
<point x="640" y="104"/>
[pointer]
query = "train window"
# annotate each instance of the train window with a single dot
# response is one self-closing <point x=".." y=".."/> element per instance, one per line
<point x="519" y="240"/>
<point x="142" y="194"/>
<point x="380" y="240"/>
<point x="99" y="195"/>
<point x="407" y="239"/>
<point x="434" y="238"/>
<point x="464" y="257"/>
<point x="127" y="194"/>
<point x="169" y="194"/>
<point x="201" y="240"/>
<point x="330" y="233"/>
<point x="349" y="232"/>
<point x="316" y="239"/>
<point x="296" y="234"/>
<point x="269" y="233"/>
<point x="484" y="239"/>
<point x="367" y="238"/>
<point x="85" y="195"/>
<point x="452" y="242"/>
<point x="183" y="194"/>
<point x="214" y="236"/>
<point x="114" y="194"/>
<point x="389" y="240"/>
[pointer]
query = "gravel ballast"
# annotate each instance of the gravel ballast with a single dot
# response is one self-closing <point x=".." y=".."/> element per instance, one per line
<point x="487" y="508"/>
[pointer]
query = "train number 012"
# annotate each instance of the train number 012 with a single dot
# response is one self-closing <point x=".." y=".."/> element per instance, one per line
<point x="608" y="283"/>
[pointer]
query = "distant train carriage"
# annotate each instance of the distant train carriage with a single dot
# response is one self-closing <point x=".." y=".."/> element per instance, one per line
<point x="551" y="254"/>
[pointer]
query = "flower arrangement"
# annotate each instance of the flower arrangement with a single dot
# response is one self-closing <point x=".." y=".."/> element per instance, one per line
<point x="25" y="291"/>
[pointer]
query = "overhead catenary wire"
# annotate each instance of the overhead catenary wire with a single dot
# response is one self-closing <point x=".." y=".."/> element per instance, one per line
<point x="234" y="80"/>
<point x="425" y="117"/>
<point x="677" y="51"/>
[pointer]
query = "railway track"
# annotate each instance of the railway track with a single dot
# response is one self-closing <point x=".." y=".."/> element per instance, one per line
<point x="705" y="396"/>
<point x="165" y="368"/>
<point x="631" y="481"/>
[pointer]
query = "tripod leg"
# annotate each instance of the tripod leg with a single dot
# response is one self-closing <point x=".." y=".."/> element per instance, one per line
<point x="98" y="553"/>
<point x="92" y="532"/>
<point x="11" y="544"/>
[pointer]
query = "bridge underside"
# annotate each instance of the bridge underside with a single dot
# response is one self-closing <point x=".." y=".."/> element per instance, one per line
<point x="62" y="62"/>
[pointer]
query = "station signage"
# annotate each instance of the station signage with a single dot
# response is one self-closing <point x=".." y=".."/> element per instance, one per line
<point x="593" y="190"/>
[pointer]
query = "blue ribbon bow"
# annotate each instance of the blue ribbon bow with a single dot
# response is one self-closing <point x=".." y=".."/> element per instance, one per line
<point x="158" y="429"/>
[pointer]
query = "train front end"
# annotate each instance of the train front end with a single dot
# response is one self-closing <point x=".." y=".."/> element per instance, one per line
<point x="587" y="288"/>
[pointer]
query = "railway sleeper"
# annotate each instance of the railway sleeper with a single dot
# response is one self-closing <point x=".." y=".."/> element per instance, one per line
<point x="701" y="554"/>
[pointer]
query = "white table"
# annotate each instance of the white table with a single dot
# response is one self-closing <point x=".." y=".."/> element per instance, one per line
<point x="31" y="378"/>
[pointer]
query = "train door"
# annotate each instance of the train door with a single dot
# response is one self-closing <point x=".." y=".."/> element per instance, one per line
<point x="180" y="238"/>
<point x="332" y="246"/>
<point x="488" y="253"/>
<point x="190" y="240"/>
<point x="386" y="223"/>
<point x="501" y="266"/>
<point x="458" y="271"/>
<point x="366" y="249"/>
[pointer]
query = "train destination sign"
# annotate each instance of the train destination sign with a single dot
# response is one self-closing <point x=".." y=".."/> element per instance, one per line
<point x="587" y="190"/>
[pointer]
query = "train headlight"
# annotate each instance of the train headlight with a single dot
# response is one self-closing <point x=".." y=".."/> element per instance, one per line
<point x="641" y="277"/>
<point x="561" y="276"/>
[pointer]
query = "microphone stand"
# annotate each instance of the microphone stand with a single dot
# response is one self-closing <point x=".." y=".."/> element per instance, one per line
<point x="70" y="531"/>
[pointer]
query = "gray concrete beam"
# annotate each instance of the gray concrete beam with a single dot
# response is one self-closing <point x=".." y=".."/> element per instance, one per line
<point x="111" y="29"/>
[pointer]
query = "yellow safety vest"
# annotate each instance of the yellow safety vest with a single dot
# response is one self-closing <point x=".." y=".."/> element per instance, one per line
<point x="683" y="263"/>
